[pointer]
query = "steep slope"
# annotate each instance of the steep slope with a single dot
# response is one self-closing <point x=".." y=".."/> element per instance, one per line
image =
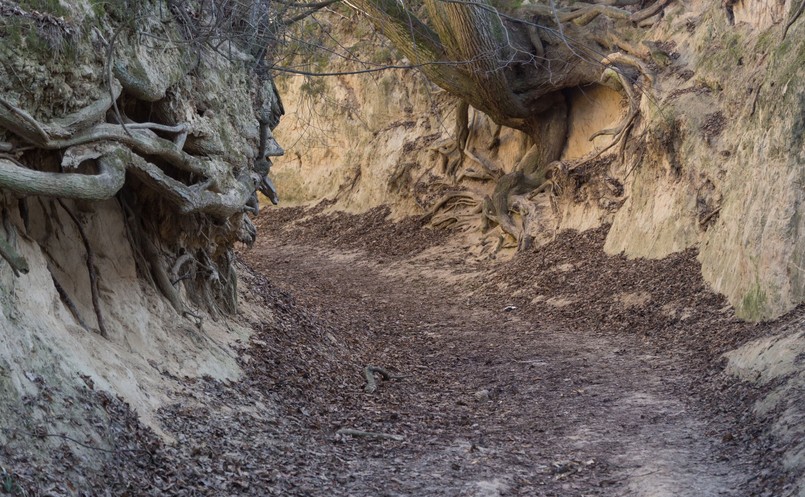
<point x="127" y="166"/>
<point x="124" y="334"/>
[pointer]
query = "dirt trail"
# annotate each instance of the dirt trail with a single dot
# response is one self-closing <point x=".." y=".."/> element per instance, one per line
<point x="562" y="372"/>
<point x="497" y="404"/>
<point x="503" y="395"/>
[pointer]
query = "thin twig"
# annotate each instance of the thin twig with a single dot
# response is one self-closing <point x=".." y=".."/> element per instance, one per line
<point x="370" y="434"/>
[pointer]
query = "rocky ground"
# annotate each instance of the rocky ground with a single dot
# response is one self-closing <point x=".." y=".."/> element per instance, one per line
<point x="563" y="372"/>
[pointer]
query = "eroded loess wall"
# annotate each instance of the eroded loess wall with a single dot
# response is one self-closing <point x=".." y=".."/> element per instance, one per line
<point x="355" y="137"/>
<point x="57" y="68"/>
<point x="727" y="179"/>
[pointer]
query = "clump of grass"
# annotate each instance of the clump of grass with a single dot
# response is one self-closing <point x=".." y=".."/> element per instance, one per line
<point x="9" y="485"/>
<point x="41" y="27"/>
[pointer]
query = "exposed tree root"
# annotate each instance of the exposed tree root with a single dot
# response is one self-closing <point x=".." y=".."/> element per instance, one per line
<point x="532" y="170"/>
<point x="497" y="206"/>
<point x="198" y="198"/>
<point x="160" y="275"/>
<point x="536" y="170"/>
<point x="453" y="150"/>
<point x="524" y="240"/>
<point x="580" y="13"/>
<point x="793" y="17"/>
<point x="456" y="221"/>
<point x="68" y="302"/>
<point x="461" y="197"/>
<point x="616" y="78"/>
<point x="104" y="185"/>
<point x="113" y="160"/>
<point x="181" y="205"/>
<point x="23" y="124"/>
<point x="644" y="14"/>
<point x="268" y="146"/>
<point x="585" y="15"/>
<point x="229" y="282"/>
<point x="203" y="197"/>
<point x="93" y="272"/>
<point x="487" y="172"/>
<point x="177" y="266"/>
<point x="247" y="234"/>
<point x="703" y="223"/>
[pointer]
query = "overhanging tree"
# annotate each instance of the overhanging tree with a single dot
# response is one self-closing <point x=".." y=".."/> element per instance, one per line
<point x="515" y="65"/>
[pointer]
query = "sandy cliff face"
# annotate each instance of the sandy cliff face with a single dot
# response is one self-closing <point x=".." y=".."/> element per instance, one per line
<point x="51" y="349"/>
<point x="732" y="188"/>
